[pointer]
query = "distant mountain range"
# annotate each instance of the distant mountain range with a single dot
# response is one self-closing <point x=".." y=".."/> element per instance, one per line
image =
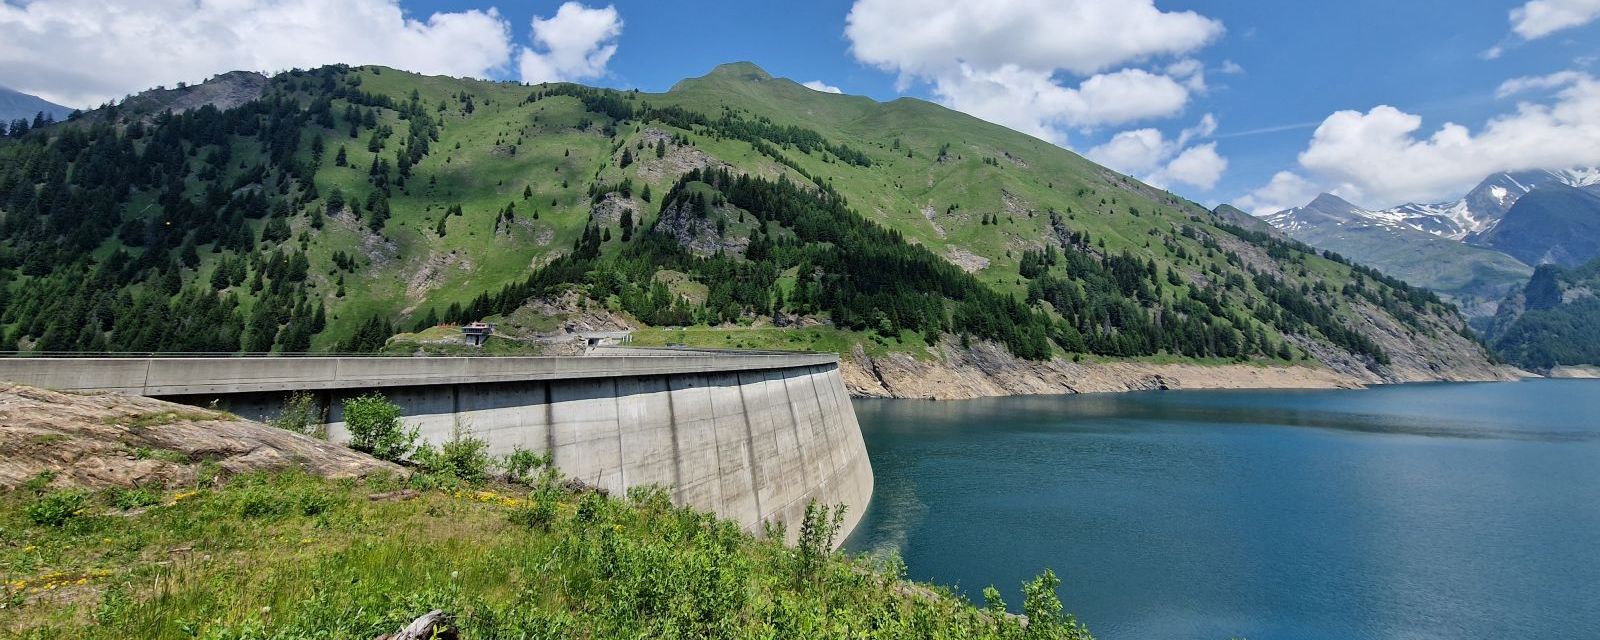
<point x="16" y="104"/>
<point x="1474" y="250"/>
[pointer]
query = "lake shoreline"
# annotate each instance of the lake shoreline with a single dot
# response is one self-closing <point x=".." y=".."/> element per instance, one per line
<point x="982" y="372"/>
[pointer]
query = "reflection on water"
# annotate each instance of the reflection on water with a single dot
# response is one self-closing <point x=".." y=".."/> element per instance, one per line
<point x="1416" y="511"/>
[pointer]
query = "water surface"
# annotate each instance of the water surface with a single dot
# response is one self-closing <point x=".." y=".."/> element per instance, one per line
<point x="1412" y="512"/>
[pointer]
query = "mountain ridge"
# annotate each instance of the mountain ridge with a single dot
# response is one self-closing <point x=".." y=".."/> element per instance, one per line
<point x="337" y="205"/>
<point x="16" y="105"/>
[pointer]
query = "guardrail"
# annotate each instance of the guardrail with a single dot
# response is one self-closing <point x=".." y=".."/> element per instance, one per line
<point x="669" y="350"/>
<point x="189" y="375"/>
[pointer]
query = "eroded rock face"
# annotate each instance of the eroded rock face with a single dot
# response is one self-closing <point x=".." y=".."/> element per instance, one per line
<point x="698" y="233"/>
<point x="986" y="370"/>
<point x="104" y="440"/>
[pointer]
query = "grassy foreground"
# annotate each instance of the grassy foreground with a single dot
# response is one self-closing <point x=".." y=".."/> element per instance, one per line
<point x="294" y="556"/>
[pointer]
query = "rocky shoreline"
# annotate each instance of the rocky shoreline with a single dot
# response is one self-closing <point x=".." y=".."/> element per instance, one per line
<point x="989" y="371"/>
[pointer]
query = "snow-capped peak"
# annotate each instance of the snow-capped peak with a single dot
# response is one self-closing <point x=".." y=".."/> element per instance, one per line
<point x="1474" y="214"/>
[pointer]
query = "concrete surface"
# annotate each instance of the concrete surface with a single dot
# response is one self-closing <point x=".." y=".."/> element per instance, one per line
<point x="753" y="437"/>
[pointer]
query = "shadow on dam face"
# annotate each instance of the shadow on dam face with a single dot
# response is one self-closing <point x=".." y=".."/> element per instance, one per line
<point x="753" y="445"/>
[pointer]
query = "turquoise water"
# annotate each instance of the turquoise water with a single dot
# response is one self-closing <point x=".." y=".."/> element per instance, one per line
<point x="1429" y="511"/>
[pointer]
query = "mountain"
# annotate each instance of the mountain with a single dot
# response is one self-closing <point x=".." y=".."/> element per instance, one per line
<point x="18" y="105"/>
<point x="1475" y="278"/>
<point x="1485" y="205"/>
<point x="1553" y="224"/>
<point x="942" y="255"/>
<point x="1552" y="321"/>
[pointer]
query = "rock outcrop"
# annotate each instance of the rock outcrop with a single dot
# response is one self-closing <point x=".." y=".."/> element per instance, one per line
<point x="987" y="370"/>
<point x="105" y="440"/>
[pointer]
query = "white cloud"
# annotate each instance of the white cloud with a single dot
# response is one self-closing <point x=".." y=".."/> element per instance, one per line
<point x="1200" y="166"/>
<point x="1134" y="152"/>
<point x="1191" y="71"/>
<point x="1540" y="18"/>
<point x="1158" y="161"/>
<point x="1380" y="158"/>
<point x="1286" y="190"/>
<point x="575" y="44"/>
<point x="818" y="85"/>
<point x="1004" y="60"/>
<point x="1525" y="84"/>
<point x="84" y="52"/>
<point x="1034" y="103"/>
<point x="1230" y="67"/>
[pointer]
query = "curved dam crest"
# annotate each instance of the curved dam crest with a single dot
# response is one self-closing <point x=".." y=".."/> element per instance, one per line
<point x="751" y="437"/>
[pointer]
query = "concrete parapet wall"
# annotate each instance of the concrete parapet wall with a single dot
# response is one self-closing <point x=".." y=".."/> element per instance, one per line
<point x="752" y="437"/>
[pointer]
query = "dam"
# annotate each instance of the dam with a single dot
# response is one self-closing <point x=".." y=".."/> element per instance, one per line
<point x="753" y="437"/>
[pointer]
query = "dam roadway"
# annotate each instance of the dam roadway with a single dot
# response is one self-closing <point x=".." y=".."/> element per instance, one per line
<point x="753" y="437"/>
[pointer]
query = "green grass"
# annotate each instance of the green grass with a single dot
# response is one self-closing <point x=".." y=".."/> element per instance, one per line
<point x="410" y="270"/>
<point x="291" y="556"/>
<point x="815" y="338"/>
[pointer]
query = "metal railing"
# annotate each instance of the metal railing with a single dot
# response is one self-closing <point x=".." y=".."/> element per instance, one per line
<point x="669" y="350"/>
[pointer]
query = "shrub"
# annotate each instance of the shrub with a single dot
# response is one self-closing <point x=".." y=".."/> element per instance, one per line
<point x="128" y="499"/>
<point x="56" y="508"/>
<point x="817" y="534"/>
<point x="301" y="414"/>
<point x="275" y="497"/>
<point x="261" y="502"/>
<point x="36" y="485"/>
<point x="538" y="512"/>
<point x="375" y="428"/>
<point x="462" y="457"/>
<point x="520" y="464"/>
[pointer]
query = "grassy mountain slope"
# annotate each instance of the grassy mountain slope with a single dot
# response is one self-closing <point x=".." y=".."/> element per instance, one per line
<point x="1474" y="278"/>
<point x="1553" y="320"/>
<point x="331" y="208"/>
<point x="1554" y="224"/>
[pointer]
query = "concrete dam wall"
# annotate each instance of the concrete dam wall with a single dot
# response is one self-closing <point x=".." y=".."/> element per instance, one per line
<point x="752" y="437"/>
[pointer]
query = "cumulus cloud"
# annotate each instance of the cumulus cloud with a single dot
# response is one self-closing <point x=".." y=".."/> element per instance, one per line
<point x="818" y="85"/>
<point x="1134" y="152"/>
<point x="1034" y="103"/>
<point x="1191" y="71"/>
<point x="1199" y="165"/>
<point x="1540" y="18"/>
<point x="1383" y="157"/>
<point x="1286" y="190"/>
<point x="1148" y="154"/>
<point x="575" y="44"/>
<point x="1004" y="61"/>
<point x="84" y="52"/>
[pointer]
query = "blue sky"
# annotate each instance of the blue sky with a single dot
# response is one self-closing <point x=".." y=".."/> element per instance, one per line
<point x="1272" y="72"/>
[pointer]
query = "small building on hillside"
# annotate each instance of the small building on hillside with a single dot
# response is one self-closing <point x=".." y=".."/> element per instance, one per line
<point x="476" y="333"/>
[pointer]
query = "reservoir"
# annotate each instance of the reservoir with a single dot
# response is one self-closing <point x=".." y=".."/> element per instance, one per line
<point x="1428" y="511"/>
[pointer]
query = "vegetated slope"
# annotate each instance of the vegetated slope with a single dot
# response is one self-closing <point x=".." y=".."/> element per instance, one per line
<point x="527" y="554"/>
<point x="1553" y="320"/>
<point x="15" y="105"/>
<point x="1474" y="278"/>
<point x="1553" y="224"/>
<point x="342" y="204"/>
